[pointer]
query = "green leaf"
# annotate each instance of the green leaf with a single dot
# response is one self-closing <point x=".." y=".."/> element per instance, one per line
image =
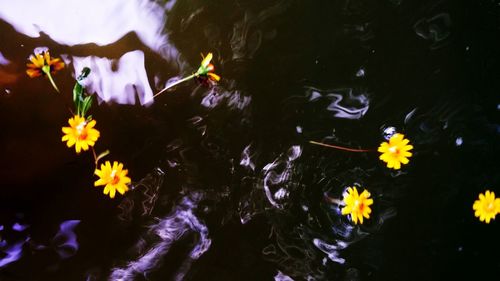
<point x="85" y="105"/>
<point x="77" y="92"/>
<point x="82" y="104"/>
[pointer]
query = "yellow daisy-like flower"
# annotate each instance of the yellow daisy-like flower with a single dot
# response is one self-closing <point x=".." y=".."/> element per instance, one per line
<point x="487" y="206"/>
<point x="81" y="133"/>
<point x="396" y="151"/>
<point x="114" y="178"/>
<point x="43" y="64"/>
<point x="357" y="205"/>
<point x="38" y="61"/>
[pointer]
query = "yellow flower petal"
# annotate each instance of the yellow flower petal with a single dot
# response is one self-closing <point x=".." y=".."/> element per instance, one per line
<point x="206" y="61"/>
<point x="214" y="76"/>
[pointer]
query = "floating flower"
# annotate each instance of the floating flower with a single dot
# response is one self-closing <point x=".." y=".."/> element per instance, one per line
<point x="487" y="206"/>
<point x="81" y="133"/>
<point x="396" y="151"/>
<point x="204" y="74"/>
<point x="43" y="64"/>
<point x="114" y="178"/>
<point x="206" y="69"/>
<point x="357" y="205"/>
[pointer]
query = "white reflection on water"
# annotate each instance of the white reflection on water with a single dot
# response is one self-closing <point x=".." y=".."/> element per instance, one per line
<point x="344" y="103"/>
<point x="277" y="175"/>
<point x="64" y="243"/>
<point x="12" y="253"/>
<point x="3" y="60"/>
<point x="120" y="82"/>
<point x="70" y="22"/>
<point x="282" y="277"/>
<point x="169" y="230"/>
<point x="331" y="249"/>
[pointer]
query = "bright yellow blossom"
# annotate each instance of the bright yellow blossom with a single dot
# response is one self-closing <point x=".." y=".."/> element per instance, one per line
<point x="487" y="206"/>
<point x="43" y="64"/>
<point x="114" y="178"/>
<point x="396" y="151"/>
<point x="357" y="205"/>
<point x="81" y="133"/>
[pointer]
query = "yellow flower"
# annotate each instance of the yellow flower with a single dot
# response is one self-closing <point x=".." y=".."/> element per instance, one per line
<point x="43" y="64"/>
<point x="205" y="75"/>
<point x="206" y="69"/>
<point x="114" y="178"/>
<point x="357" y="205"/>
<point x="396" y="151"/>
<point x="81" y="134"/>
<point x="486" y="207"/>
<point x="38" y="61"/>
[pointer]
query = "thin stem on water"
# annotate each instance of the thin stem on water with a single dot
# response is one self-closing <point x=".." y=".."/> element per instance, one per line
<point x="175" y="84"/>
<point x="98" y="157"/>
<point x="46" y="70"/>
<point x="95" y="156"/>
<point x="340" y="147"/>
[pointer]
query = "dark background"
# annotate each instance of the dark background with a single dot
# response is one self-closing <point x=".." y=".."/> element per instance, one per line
<point x="437" y="60"/>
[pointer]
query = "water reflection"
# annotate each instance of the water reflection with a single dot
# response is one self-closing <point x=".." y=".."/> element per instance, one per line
<point x="237" y="154"/>
<point x="169" y="230"/>
<point x="277" y="175"/>
<point x="435" y="29"/>
<point x="64" y="243"/>
<point x="69" y="23"/>
<point x="75" y="22"/>
<point x="248" y="34"/>
<point x="344" y="103"/>
<point x="3" y="60"/>
<point x="11" y="253"/>
<point x="121" y="81"/>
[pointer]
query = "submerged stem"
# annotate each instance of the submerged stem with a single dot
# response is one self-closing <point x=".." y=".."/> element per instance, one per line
<point x="46" y="70"/>
<point x="340" y="147"/>
<point x="95" y="156"/>
<point x="98" y="157"/>
<point x="175" y="84"/>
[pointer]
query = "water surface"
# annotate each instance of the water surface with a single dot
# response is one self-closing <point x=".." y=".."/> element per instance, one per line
<point x="225" y="183"/>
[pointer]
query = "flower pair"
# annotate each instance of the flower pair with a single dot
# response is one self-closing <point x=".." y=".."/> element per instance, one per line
<point x="82" y="134"/>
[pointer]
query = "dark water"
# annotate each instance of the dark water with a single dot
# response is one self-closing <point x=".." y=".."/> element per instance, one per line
<point x="225" y="183"/>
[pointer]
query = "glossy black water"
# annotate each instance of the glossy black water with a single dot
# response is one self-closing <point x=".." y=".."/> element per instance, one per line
<point x="229" y="169"/>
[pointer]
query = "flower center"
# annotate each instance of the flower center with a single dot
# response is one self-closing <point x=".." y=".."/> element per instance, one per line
<point x="358" y="205"/>
<point x="394" y="149"/>
<point x="114" y="177"/>
<point x="490" y="207"/>
<point x="80" y="130"/>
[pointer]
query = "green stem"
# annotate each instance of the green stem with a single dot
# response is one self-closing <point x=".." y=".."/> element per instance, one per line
<point x="175" y="84"/>
<point x="340" y="147"/>
<point x="46" y="70"/>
